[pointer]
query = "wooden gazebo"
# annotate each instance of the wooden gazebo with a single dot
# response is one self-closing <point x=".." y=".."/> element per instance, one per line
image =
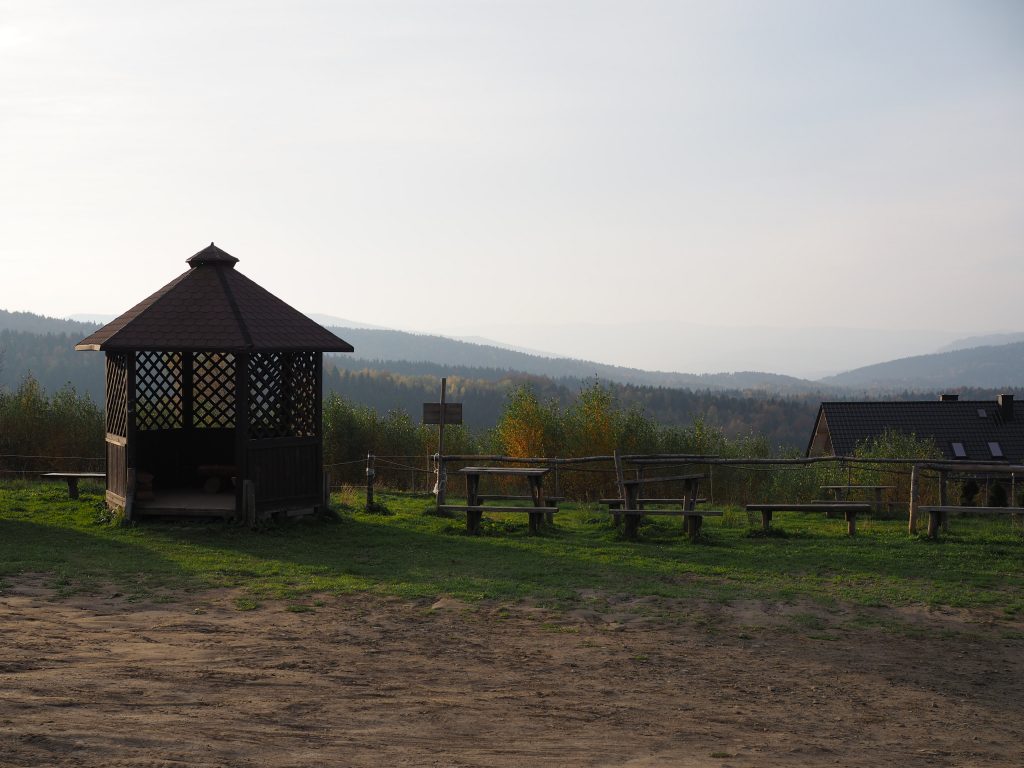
<point x="213" y="398"/>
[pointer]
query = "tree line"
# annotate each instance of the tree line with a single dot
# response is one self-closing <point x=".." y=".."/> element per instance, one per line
<point x="65" y="431"/>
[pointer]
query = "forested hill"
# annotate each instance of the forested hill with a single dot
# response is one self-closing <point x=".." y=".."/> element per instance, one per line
<point x="374" y="348"/>
<point x="478" y="377"/>
<point x="785" y="421"/>
<point x="26" y="321"/>
<point x="51" y="358"/>
<point x="999" y="366"/>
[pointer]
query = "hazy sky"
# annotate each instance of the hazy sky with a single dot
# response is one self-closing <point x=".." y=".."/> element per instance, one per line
<point x="473" y="166"/>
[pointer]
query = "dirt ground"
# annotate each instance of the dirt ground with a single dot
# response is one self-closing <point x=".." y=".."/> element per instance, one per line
<point x="369" y="681"/>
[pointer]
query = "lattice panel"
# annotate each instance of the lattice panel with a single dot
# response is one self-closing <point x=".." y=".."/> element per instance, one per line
<point x="117" y="394"/>
<point x="267" y="416"/>
<point x="213" y="390"/>
<point x="282" y="395"/>
<point x="302" y="393"/>
<point x="158" y="403"/>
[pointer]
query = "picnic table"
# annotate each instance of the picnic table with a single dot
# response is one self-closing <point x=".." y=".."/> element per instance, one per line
<point x="632" y="507"/>
<point x="842" y="492"/>
<point x="72" y="479"/>
<point x="475" y="502"/>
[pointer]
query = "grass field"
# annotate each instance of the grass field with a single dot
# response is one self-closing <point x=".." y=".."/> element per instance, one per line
<point x="408" y="553"/>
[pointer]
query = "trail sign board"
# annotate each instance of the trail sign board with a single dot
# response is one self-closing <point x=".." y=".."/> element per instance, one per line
<point x="452" y="413"/>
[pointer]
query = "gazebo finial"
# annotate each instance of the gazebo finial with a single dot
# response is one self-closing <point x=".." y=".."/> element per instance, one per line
<point x="211" y="254"/>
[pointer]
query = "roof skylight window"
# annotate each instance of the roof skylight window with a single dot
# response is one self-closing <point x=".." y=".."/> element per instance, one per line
<point x="996" y="450"/>
<point x="982" y="413"/>
<point x="958" y="451"/>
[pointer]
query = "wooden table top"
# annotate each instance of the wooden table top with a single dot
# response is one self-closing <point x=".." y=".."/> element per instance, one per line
<point x="511" y="471"/>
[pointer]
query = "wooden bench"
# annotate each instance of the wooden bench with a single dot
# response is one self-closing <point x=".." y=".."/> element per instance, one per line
<point x="850" y="509"/>
<point x="693" y="519"/>
<point x="507" y="497"/>
<point x="613" y="504"/>
<point x="938" y="514"/>
<point x="72" y="479"/>
<point x="475" y="511"/>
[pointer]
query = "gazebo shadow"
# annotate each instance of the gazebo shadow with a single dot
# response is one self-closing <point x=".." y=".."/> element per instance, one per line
<point x="84" y="560"/>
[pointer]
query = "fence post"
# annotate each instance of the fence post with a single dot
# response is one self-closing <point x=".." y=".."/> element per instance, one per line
<point x="371" y="473"/>
<point x="915" y="490"/>
<point x="442" y="481"/>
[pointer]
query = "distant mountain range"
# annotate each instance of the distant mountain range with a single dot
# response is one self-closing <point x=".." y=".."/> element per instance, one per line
<point x="999" y="365"/>
<point x="989" y="340"/>
<point x="376" y="348"/>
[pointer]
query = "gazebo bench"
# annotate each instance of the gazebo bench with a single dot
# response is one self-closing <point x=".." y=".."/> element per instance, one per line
<point x="850" y="509"/>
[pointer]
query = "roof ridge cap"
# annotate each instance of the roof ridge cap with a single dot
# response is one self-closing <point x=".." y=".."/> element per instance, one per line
<point x="243" y="328"/>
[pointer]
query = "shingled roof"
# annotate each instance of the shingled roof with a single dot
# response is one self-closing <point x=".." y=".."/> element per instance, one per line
<point x="213" y="308"/>
<point x="973" y="424"/>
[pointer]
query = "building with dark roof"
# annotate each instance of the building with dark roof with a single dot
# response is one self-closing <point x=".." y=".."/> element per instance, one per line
<point x="213" y="398"/>
<point x="963" y="430"/>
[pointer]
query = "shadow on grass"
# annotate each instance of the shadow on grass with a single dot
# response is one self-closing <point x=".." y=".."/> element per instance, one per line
<point x="423" y="556"/>
<point x="81" y="560"/>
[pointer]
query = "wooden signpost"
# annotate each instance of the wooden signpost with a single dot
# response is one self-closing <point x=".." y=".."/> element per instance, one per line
<point x="441" y="414"/>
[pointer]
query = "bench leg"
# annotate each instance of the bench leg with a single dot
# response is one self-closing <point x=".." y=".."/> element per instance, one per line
<point x="934" y="519"/>
<point x="766" y="520"/>
<point x="535" y="522"/>
<point x="632" y="524"/>
<point x="851" y="523"/>
<point x="473" y="522"/>
<point x="72" y="487"/>
<point x="693" y="525"/>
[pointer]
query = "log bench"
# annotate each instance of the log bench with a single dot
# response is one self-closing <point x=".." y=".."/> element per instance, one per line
<point x="850" y="509"/>
<point x="72" y="479"/>
<point x="474" y="513"/>
<point x="938" y="514"/>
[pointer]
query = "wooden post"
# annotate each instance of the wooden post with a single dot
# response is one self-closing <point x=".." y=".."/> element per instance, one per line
<point x="131" y="433"/>
<point x="249" y="502"/>
<point x="851" y="523"/>
<point x="243" y="504"/>
<point x="371" y="473"/>
<point x="915" y="492"/>
<point x="442" y="470"/>
<point x="129" y="496"/>
<point x="617" y="458"/>
<point x="473" y="500"/>
<point x="943" y="500"/>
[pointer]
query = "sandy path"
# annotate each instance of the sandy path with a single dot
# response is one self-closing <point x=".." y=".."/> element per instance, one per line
<point x="368" y="681"/>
